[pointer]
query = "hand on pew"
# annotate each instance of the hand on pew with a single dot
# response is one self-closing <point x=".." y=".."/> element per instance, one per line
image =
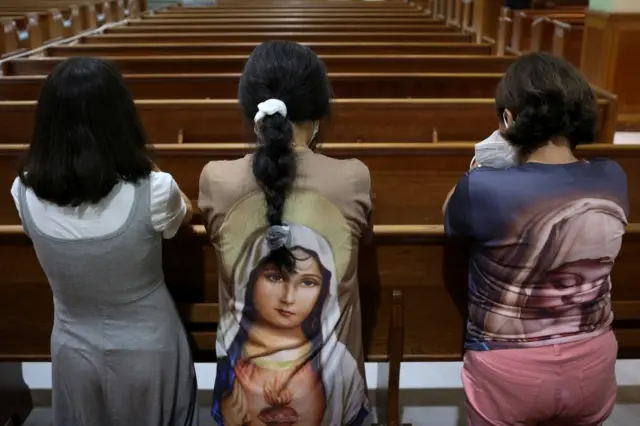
<point x="188" y="215"/>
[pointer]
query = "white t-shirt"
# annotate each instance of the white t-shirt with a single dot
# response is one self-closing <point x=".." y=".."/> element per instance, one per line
<point x="168" y="210"/>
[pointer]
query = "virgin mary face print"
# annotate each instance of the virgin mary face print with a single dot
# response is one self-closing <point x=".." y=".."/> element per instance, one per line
<point x="555" y="265"/>
<point x="277" y="370"/>
<point x="284" y="300"/>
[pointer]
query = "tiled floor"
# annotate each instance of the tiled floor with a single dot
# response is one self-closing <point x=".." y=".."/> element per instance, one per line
<point x="440" y="404"/>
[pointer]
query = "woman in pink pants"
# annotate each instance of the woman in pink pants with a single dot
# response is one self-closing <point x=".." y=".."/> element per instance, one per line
<point x="545" y="230"/>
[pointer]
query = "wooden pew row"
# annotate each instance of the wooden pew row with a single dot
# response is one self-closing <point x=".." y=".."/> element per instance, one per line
<point x="414" y="261"/>
<point x="300" y="7"/>
<point x="353" y="120"/>
<point x="272" y="20"/>
<point x="560" y="37"/>
<point x="226" y="64"/>
<point x="20" y="33"/>
<point x="200" y="319"/>
<point x="428" y="26"/>
<point x="289" y="13"/>
<point x="259" y="37"/>
<point x="320" y="48"/>
<point x="523" y="26"/>
<point x="266" y="12"/>
<point x="225" y="86"/>
<point x="360" y="5"/>
<point x="409" y="181"/>
<point x="459" y="14"/>
<point x="489" y="16"/>
<point x="32" y="30"/>
<point x="105" y="10"/>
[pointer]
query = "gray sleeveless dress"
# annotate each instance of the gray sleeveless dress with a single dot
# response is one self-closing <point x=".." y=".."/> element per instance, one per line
<point x="119" y="352"/>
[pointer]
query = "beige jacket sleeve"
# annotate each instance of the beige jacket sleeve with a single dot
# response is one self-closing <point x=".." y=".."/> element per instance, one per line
<point x="362" y="198"/>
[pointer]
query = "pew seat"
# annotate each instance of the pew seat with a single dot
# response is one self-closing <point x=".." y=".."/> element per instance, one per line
<point x="409" y="181"/>
<point x="223" y="28"/>
<point x="259" y="37"/>
<point x="237" y="48"/>
<point x="412" y="286"/>
<point x="353" y="120"/>
<point x="235" y="63"/>
<point x="224" y="86"/>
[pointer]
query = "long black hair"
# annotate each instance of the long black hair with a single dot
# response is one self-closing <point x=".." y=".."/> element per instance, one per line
<point x="293" y="74"/>
<point x="87" y="135"/>
<point x="548" y="98"/>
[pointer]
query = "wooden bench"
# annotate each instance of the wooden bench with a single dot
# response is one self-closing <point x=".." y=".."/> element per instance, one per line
<point x="412" y="289"/>
<point x="244" y="5"/>
<point x="59" y="20"/>
<point x="523" y="21"/>
<point x="301" y="13"/>
<point x="543" y="31"/>
<point x="225" y="86"/>
<point x="235" y="63"/>
<point x="561" y="37"/>
<point x="258" y="37"/>
<point x="272" y="20"/>
<point x="354" y="120"/>
<point x="344" y="85"/>
<point x="221" y="49"/>
<point x="410" y="181"/>
<point x="131" y="28"/>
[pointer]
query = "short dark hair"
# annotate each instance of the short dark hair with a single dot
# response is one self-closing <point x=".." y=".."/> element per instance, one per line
<point x="87" y="135"/>
<point x="548" y="98"/>
<point x="295" y="75"/>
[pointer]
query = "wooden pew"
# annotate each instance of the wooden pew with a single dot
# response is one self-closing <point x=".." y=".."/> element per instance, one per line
<point x="53" y="21"/>
<point x="301" y="13"/>
<point x="412" y="286"/>
<point x="545" y="29"/>
<point x="346" y="5"/>
<point x="225" y="64"/>
<point x="225" y="86"/>
<point x="272" y="20"/>
<point x="561" y="37"/>
<point x="8" y="37"/>
<point x="21" y="33"/>
<point x="382" y="307"/>
<point x="321" y="48"/>
<point x="522" y="26"/>
<point x="131" y="28"/>
<point x="258" y="37"/>
<point x="410" y="181"/>
<point x="353" y="120"/>
<point x="486" y="15"/>
<point x="262" y="7"/>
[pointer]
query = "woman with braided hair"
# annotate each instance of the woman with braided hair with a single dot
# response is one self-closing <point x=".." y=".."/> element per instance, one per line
<point x="286" y="223"/>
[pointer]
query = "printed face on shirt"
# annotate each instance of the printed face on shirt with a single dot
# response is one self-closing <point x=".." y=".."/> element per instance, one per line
<point x="285" y="300"/>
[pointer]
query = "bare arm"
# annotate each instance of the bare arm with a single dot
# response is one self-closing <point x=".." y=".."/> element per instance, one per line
<point x="189" y="215"/>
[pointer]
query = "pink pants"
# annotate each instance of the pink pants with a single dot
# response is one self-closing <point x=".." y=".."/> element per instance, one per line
<point x="569" y="384"/>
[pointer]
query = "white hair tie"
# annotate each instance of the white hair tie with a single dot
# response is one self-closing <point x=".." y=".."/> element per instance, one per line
<point x="270" y="107"/>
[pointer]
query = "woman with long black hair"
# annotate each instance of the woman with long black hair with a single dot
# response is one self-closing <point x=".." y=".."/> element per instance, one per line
<point x="97" y="209"/>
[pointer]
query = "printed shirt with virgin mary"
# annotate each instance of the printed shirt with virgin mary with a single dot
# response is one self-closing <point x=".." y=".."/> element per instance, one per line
<point x="289" y="344"/>
<point x="544" y="238"/>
